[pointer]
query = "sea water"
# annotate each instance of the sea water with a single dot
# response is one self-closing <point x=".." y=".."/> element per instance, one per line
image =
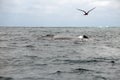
<point x="32" y="54"/>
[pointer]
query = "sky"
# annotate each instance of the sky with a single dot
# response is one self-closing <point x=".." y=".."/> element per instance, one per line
<point x="59" y="13"/>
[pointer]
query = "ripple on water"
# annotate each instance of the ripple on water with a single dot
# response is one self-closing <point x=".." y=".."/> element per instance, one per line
<point x="33" y="78"/>
<point x="100" y="78"/>
<point x="6" y="78"/>
<point x="68" y="61"/>
<point x="29" y="46"/>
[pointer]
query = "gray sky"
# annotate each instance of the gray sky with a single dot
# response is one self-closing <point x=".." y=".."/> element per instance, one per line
<point x="59" y="13"/>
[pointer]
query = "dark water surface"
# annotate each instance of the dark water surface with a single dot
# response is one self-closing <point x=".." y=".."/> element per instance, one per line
<point x="31" y="54"/>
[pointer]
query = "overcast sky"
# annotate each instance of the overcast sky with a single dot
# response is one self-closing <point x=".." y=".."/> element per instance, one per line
<point x="59" y="13"/>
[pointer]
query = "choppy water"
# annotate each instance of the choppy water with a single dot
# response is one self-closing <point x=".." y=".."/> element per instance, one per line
<point x="25" y="54"/>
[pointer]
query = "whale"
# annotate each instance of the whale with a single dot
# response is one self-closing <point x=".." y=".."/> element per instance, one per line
<point x="60" y="37"/>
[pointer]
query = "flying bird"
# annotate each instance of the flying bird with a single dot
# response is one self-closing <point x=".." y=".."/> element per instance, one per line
<point x="86" y="12"/>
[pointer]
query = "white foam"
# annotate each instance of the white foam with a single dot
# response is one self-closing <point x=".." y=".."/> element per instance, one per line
<point x="81" y="37"/>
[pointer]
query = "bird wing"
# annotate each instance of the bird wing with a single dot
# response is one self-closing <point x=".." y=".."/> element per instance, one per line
<point x="81" y="10"/>
<point x="91" y="9"/>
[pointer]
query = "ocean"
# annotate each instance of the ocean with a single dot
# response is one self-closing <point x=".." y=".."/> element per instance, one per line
<point x="32" y="53"/>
